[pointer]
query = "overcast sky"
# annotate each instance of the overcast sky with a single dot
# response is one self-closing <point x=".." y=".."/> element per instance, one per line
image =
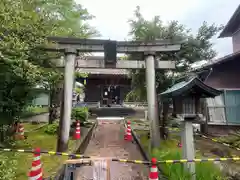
<point x="112" y="15"/>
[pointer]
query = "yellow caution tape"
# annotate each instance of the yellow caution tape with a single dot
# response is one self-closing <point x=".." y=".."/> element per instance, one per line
<point x="44" y="152"/>
<point x="121" y="160"/>
<point x="131" y="161"/>
<point x="178" y="161"/>
<point x="217" y="141"/>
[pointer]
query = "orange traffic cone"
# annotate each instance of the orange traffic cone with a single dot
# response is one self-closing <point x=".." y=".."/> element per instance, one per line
<point x="128" y="135"/>
<point x="20" y="132"/>
<point x="179" y="145"/>
<point x="36" y="170"/>
<point x="77" y="134"/>
<point x="153" y="175"/>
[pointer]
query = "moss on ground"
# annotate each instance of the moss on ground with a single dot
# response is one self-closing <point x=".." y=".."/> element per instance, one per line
<point x="47" y="142"/>
<point x="30" y="126"/>
<point x="233" y="140"/>
<point x="31" y="111"/>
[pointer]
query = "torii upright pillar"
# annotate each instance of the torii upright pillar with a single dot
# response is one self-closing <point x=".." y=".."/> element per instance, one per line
<point x="151" y="98"/>
<point x="65" y="122"/>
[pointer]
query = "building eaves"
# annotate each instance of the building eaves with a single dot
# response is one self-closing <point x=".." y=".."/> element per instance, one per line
<point x="233" y="24"/>
<point x="218" y="61"/>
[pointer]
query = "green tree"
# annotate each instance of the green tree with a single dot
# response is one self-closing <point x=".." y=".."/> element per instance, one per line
<point x="196" y="47"/>
<point x="22" y="30"/>
<point x="83" y="78"/>
<point x="71" y="18"/>
<point x="25" y="26"/>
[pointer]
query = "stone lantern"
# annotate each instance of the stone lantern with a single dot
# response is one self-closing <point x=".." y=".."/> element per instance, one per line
<point x="186" y="96"/>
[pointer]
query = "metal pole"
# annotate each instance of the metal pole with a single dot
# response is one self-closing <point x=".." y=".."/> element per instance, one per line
<point x="151" y="98"/>
<point x="70" y="55"/>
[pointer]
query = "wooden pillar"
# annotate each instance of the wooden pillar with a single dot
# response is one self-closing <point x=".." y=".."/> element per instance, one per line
<point x="174" y="113"/>
<point x="197" y="105"/>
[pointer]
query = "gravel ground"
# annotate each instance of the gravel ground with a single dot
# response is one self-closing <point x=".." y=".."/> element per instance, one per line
<point x="108" y="141"/>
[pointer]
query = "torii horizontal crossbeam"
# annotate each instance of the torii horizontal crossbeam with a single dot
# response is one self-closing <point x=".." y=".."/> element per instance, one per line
<point x="97" y="45"/>
<point x="120" y="64"/>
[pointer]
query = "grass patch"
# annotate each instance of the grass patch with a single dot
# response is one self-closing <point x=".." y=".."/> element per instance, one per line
<point x="170" y="151"/>
<point x="39" y="139"/>
<point x="33" y="110"/>
<point x="30" y="126"/>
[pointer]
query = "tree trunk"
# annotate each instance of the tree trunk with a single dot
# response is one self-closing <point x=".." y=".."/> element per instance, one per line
<point x="174" y="113"/>
<point x="53" y="107"/>
<point x="61" y="147"/>
<point x="50" y="117"/>
<point x="204" y="127"/>
<point x="164" y="134"/>
<point x="160" y="120"/>
<point x="1" y="133"/>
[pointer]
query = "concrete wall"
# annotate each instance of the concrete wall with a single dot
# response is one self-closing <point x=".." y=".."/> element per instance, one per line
<point x="236" y="41"/>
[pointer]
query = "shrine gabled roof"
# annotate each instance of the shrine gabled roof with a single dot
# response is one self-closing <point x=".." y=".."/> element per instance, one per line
<point x="185" y="87"/>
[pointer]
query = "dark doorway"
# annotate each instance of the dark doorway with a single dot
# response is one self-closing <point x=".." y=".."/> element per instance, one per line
<point x="111" y="95"/>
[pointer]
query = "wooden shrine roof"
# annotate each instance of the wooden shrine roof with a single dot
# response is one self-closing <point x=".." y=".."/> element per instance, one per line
<point x="192" y="86"/>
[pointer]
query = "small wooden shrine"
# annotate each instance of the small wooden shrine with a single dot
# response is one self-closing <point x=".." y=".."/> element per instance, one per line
<point x="186" y="96"/>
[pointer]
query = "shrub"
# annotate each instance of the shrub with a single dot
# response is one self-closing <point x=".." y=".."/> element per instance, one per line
<point x="51" y="129"/>
<point x="80" y="113"/>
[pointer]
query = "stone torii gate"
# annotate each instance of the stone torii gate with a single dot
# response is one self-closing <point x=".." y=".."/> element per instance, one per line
<point x="72" y="46"/>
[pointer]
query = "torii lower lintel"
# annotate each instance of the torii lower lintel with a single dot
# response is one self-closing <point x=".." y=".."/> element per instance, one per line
<point x="119" y="64"/>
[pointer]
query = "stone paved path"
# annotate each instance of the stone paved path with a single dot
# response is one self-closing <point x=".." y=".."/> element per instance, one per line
<point x="108" y="141"/>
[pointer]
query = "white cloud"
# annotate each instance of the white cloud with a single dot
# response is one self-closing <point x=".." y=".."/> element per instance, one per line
<point x="112" y="15"/>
